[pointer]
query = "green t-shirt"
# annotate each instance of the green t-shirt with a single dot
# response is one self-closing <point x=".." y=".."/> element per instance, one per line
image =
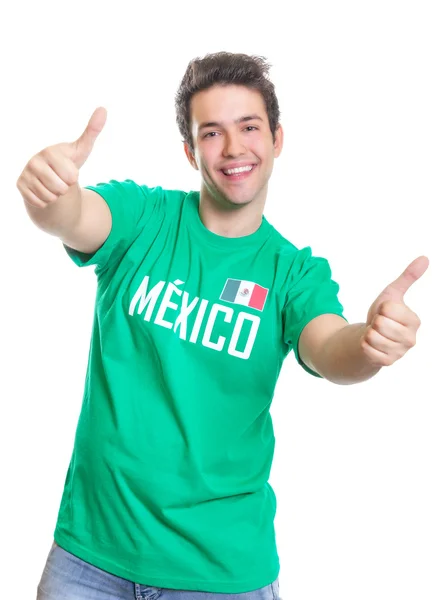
<point x="168" y="481"/>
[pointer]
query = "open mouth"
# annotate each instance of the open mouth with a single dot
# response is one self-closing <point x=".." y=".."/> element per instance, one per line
<point x="238" y="174"/>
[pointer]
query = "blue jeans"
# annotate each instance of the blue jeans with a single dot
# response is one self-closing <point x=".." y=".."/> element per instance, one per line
<point x="67" y="577"/>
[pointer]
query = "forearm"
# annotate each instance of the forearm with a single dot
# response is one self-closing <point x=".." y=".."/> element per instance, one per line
<point x="59" y="217"/>
<point x="342" y="359"/>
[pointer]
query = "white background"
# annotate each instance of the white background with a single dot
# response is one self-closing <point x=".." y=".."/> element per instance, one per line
<point x="358" y="470"/>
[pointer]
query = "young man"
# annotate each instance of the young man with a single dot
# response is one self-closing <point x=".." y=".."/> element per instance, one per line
<point x="199" y="301"/>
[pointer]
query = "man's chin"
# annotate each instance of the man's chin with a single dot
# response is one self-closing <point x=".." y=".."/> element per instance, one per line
<point x="230" y="198"/>
<point x="235" y="199"/>
<point x="237" y="202"/>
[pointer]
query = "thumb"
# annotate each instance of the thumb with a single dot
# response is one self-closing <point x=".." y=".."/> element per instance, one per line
<point x="412" y="273"/>
<point x="84" y="145"/>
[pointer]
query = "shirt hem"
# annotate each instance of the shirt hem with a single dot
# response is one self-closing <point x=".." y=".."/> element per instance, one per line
<point x="198" y="585"/>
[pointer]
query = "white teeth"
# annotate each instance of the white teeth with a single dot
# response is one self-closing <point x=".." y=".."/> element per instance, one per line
<point x="238" y="170"/>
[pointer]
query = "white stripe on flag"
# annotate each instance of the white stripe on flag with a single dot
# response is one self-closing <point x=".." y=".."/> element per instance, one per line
<point x="244" y="292"/>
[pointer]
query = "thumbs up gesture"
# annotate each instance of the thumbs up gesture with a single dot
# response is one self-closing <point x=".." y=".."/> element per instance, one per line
<point x="391" y="325"/>
<point x="51" y="172"/>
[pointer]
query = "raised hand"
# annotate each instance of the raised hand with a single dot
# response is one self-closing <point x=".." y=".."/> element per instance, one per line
<point x="391" y="324"/>
<point x="52" y="171"/>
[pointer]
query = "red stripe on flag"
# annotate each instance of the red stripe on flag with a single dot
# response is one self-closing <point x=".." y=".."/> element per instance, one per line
<point x="258" y="296"/>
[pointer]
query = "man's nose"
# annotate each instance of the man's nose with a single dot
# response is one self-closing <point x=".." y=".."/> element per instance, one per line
<point x="233" y="145"/>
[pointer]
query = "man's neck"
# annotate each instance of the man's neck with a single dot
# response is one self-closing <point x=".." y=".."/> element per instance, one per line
<point x="230" y="222"/>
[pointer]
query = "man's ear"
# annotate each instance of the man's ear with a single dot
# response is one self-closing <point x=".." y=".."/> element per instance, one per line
<point x="279" y="141"/>
<point x="190" y="155"/>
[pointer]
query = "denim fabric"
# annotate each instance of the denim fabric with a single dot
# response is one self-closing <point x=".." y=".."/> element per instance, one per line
<point x="67" y="577"/>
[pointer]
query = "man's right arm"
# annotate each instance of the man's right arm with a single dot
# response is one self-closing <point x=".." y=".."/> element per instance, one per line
<point x="80" y="218"/>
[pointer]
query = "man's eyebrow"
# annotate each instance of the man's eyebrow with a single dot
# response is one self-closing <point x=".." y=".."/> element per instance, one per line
<point x="237" y="121"/>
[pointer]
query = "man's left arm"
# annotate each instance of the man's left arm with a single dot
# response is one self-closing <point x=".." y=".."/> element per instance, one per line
<point x="346" y="354"/>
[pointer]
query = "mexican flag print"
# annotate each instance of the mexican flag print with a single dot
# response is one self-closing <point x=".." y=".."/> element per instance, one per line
<point x="246" y="293"/>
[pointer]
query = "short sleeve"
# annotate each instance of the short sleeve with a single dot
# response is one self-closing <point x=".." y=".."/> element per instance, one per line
<point x="132" y="206"/>
<point x="311" y="293"/>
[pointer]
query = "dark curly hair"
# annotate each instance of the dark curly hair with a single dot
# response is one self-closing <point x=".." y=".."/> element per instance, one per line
<point x="224" y="68"/>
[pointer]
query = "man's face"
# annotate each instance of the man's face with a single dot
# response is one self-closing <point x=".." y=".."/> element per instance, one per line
<point x="230" y="129"/>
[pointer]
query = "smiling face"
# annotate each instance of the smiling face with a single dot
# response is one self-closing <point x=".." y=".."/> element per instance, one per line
<point x="230" y="129"/>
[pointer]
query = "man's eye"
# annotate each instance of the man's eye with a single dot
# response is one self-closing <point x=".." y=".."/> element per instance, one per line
<point x="213" y="133"/>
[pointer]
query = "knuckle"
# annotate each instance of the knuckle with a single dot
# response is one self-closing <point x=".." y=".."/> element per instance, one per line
<point x="378" y="322"/>
<point x="371" y="335"/>
<point x="363" y="344"/>
<point x="33" y="164"/>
